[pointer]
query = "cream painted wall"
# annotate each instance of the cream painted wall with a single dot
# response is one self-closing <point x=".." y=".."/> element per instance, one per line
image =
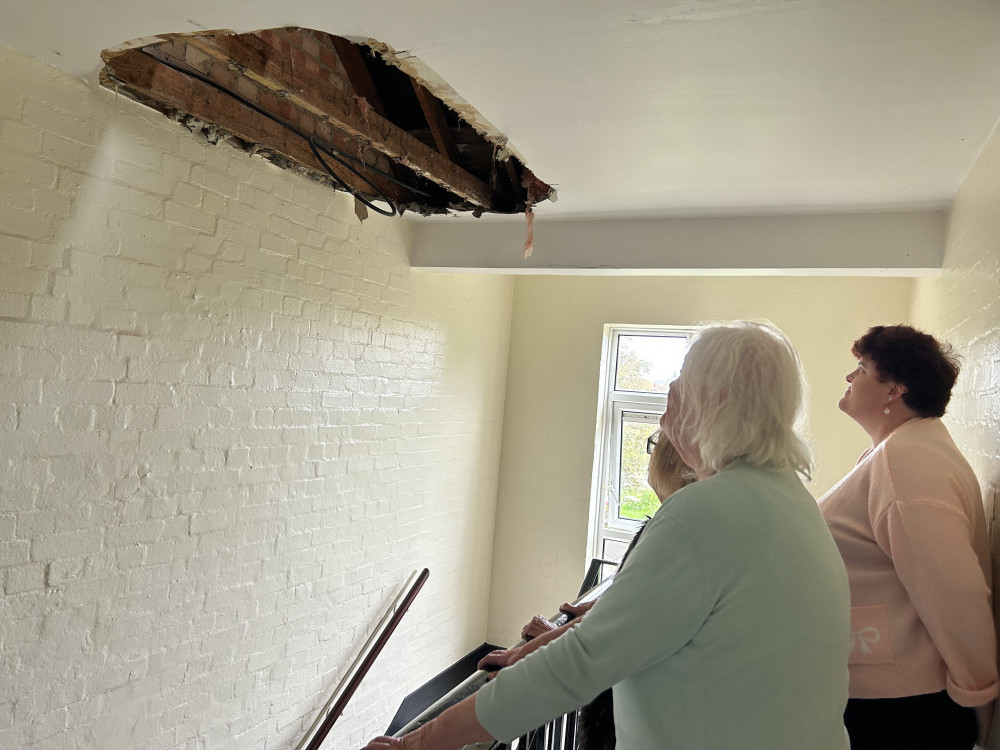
<point x="232" y="421"/>
<point x="963" y="308"/>
<point x="551" y="409"/>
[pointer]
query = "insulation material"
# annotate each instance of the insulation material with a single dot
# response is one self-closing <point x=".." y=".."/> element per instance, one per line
<point x="536" y="191"/>
<point x="529" y="244"/>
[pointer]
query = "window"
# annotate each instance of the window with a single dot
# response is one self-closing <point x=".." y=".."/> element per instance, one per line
<point x="639" y="365"/>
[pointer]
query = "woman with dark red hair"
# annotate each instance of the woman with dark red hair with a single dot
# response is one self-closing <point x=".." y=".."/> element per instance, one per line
<point x="909" y="523"/>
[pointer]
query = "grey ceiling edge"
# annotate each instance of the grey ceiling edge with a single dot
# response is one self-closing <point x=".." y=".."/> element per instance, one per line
<point x="905" y="243"/>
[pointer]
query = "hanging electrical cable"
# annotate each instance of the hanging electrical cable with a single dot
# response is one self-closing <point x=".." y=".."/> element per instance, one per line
<point x="316" y="145"/>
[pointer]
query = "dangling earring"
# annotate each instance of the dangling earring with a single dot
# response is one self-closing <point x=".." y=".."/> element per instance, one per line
<point x="885" y="410"/>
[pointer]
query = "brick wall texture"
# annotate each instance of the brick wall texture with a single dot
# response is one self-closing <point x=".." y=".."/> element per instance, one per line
<point x="963" y="307"/>
<point x="232" y="421"/>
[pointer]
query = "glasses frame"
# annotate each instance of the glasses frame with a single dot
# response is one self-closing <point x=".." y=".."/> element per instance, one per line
<point x="651" y="442"/>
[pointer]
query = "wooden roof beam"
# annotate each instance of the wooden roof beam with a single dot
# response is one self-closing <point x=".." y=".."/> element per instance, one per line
<point x="152" y="81"/>
<point x="360" y="79"/>
<point x="434" y="114"/>
<point x="318" y="96"/>
<point x="358" y="75"/>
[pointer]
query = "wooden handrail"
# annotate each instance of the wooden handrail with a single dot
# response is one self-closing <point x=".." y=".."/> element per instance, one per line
<point x="349" y="685"/>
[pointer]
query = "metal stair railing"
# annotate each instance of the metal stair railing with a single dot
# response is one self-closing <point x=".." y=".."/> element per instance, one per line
<point x="558" y="734"/>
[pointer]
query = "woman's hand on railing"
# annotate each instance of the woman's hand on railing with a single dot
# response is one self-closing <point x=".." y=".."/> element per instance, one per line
<point x="536" y="626"/>
<point x="502" y="657"/>
<point x="577" y="610"/>
<point x="380" y="743"/>
<point x="412" y="741"/>
<point x="455" y="728"/>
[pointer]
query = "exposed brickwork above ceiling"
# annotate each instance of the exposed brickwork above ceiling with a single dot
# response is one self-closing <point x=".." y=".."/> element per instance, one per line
<point x="331" y="110"/>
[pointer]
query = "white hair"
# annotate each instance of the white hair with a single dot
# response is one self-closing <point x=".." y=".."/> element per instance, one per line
<point x="741" y="393"/>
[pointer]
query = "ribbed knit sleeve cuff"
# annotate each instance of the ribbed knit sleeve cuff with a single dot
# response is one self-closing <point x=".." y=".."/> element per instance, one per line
<point x="971" y="698"/>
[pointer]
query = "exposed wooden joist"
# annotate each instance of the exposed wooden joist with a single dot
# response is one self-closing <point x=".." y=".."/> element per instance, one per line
<point x="318" y="96"/>
<point x="154" y="82"/>
<point x="360" y="78"/>
<point x="515" y="181"/>
<point x="353" y="61"/>
<point x="434" y="115"/>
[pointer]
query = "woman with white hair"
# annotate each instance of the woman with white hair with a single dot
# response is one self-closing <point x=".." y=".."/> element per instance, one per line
<point x="729" y="627"/>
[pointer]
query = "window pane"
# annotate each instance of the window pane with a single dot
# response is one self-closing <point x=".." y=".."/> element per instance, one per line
<point x="636" y="500"/>
<point x="648" y="363"/>
<point x="613" y="551"/>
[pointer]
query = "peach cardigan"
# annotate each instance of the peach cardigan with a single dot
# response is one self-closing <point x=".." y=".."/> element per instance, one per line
<point x="909" y="523"/>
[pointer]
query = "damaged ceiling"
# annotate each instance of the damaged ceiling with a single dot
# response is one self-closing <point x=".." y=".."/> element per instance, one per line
<point x="338" y="112"/>
<point x="643" y="108"/>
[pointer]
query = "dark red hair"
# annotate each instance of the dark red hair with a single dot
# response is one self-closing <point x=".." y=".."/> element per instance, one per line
<point x="914" y="359"/>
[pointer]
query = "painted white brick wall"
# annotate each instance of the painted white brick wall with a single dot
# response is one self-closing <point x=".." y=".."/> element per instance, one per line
<point x="962" y="306"/>
<point x="232" y="421"/>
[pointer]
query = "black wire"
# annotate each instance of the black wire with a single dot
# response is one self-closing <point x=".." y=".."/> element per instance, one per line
<point x="198" y="75"/>
<point x="314" y="143"/>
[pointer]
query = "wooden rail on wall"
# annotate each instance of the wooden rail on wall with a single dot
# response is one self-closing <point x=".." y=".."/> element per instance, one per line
<point x="373" y="647"/>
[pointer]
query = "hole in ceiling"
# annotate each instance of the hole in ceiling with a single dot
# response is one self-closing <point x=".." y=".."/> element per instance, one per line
<point x="338" y="112"/>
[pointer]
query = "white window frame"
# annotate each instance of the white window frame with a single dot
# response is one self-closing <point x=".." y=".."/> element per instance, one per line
<point x="613" y="407"/>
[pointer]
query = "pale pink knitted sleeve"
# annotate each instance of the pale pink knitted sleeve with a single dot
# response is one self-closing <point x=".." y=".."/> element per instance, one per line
<point x="930" y="545"/>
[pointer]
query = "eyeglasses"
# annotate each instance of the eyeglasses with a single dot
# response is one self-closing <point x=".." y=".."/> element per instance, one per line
<point x="651" y="442"/>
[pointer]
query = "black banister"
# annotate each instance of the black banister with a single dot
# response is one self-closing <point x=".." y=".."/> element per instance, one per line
<point x="593" y="576"/>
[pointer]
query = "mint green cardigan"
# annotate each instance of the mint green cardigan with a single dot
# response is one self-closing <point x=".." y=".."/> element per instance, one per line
<point x="728" y="629"/>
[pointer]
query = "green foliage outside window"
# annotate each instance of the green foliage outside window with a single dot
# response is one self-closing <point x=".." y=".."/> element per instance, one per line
<point x="639" y="507"/>
<point x="645" y="364"/>
<point x="637" y="500"/>
<point x="633" y="373"/>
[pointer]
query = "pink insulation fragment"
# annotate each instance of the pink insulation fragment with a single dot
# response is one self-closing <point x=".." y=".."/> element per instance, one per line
<point x="537" y="191"/>
<point x="529" y="244"/>
<point x="364" y="106"/>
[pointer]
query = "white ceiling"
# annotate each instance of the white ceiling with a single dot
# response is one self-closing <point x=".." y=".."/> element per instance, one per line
<point x="679" y="108"/>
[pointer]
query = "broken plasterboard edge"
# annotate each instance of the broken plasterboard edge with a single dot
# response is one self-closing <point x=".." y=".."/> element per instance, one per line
<point x="145" y="41"/>
<point x="420" y="72"/>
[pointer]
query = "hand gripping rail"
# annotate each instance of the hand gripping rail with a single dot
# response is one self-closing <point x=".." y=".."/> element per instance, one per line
<point x="551" y="731"/>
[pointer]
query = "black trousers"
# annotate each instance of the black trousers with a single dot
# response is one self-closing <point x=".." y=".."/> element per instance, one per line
<point x="918" y="722"/>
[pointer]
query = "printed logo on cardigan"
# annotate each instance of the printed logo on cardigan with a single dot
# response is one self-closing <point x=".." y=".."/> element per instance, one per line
<point x="870" y="636"/>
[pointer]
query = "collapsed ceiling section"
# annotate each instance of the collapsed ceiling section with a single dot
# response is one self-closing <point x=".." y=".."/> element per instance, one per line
<point x="335" y="111"/>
